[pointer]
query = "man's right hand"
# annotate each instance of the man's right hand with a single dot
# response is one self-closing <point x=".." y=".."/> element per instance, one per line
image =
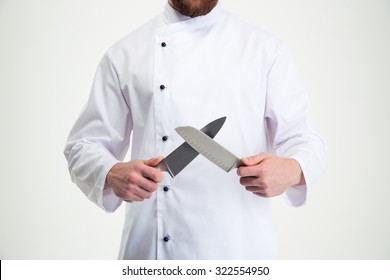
<point x="135" y="180"/>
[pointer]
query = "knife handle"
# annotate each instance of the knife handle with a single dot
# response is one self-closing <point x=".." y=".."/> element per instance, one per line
<point x="237" y="164"/>
<point x="163" y="167"/>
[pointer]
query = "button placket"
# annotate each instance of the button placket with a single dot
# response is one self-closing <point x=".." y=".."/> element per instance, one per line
<point x="163" y="88"/>
<point x="163" y="130"/>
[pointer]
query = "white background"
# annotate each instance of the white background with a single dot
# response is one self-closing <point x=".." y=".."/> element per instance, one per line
<point x="49" y="51"/>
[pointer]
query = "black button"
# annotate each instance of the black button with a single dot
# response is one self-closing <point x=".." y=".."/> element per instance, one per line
<point x="165" y="138"/>
<point x="166" y="238"/>
<point x="163" y="44"/>
<point x="166" y="188"/>
<point x="162" y="87"/>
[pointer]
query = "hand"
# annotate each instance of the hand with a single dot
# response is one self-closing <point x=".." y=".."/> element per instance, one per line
<point x="266" y="175"/>
<point x="135" y="180"/>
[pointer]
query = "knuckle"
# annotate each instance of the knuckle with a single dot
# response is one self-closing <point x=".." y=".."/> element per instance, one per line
<point x="155" y="176"/>
<point x="128" y="188"/>
<point x="128" y="194"/>
<point x="131" y="177"/>
<point x="261" y="181"/>
<point x="149" y="186"/>
<point x="153" y="187"/>
<point x="257" y="182"/>
<point x="160" y="177"/>
<point x="136" y="198"/>
<point x="133" y="164"/>
<point x="266" y="188"/>
<point x="261" y="171"/>
<point x="141" y="167"/>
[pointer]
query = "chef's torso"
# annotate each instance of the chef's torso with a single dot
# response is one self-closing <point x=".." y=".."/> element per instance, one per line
<point x="177" y="73"/>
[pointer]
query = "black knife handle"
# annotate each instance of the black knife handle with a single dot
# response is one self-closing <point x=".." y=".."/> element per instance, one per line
<point x="162" y="166"/>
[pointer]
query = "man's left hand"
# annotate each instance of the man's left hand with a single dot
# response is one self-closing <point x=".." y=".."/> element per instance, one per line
<point x="267" y="175"/>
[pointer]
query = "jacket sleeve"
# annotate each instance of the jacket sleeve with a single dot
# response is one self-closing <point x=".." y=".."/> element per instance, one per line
<point x="100" y="137"/>
<point x="289" y="130"/>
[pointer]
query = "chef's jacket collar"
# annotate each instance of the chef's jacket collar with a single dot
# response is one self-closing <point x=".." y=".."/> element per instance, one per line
<point x="173" y="16"/>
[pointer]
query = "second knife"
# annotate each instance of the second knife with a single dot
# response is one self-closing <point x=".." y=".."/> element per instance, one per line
<point x="184" y="154"/>
<point x="209" y="148"/>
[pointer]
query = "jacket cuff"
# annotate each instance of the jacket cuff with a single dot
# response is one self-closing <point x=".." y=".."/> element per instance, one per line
<point x="104" y="196"/>
<point x="295" y="196"/>
<point x="110" y="202"/>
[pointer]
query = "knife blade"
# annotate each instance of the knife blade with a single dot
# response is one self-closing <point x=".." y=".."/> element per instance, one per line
<point x="177" y="160"/>
<point x="209" y="148"/>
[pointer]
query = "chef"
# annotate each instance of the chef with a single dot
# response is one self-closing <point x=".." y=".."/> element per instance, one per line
<point x="190" y="65"/>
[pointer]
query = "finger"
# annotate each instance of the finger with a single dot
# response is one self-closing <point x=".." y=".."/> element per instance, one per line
<point x="138" y="179"/>
<point x="249" y="181"/>
<point x="261" y="194"/>
<point x="137" y="192"/>
<point x="254" y="160"/>
<point x="147" y="184"/>
<point x="141" y="192"/>
<point x="248" y="171"/>
<point x="152" y="173"/>
<point x="132" y="197"/>
<point x="251" y="165"/>
<point x="254" y="189"/>
<point x="153" y="161"/>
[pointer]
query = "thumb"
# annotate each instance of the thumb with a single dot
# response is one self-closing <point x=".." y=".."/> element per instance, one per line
<point x="254" y="160"/>
<point x="153" y="161"/>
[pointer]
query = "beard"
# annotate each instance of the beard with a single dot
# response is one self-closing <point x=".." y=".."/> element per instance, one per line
<point x="193" y="8"/>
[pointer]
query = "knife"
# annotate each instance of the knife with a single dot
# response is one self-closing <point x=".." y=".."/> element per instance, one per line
<point x="209" y="148"/>
<point x="184" y="154"/>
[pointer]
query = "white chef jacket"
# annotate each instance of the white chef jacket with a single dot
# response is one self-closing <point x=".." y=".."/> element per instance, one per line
<point x="210" y="66"/>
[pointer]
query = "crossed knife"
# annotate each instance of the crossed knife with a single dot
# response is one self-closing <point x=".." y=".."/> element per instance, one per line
<point x="199" y="142"/>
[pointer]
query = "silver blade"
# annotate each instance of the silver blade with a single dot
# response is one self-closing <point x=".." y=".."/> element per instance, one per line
<point x="209" y="148"/>
<point x="184" y="154"/>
